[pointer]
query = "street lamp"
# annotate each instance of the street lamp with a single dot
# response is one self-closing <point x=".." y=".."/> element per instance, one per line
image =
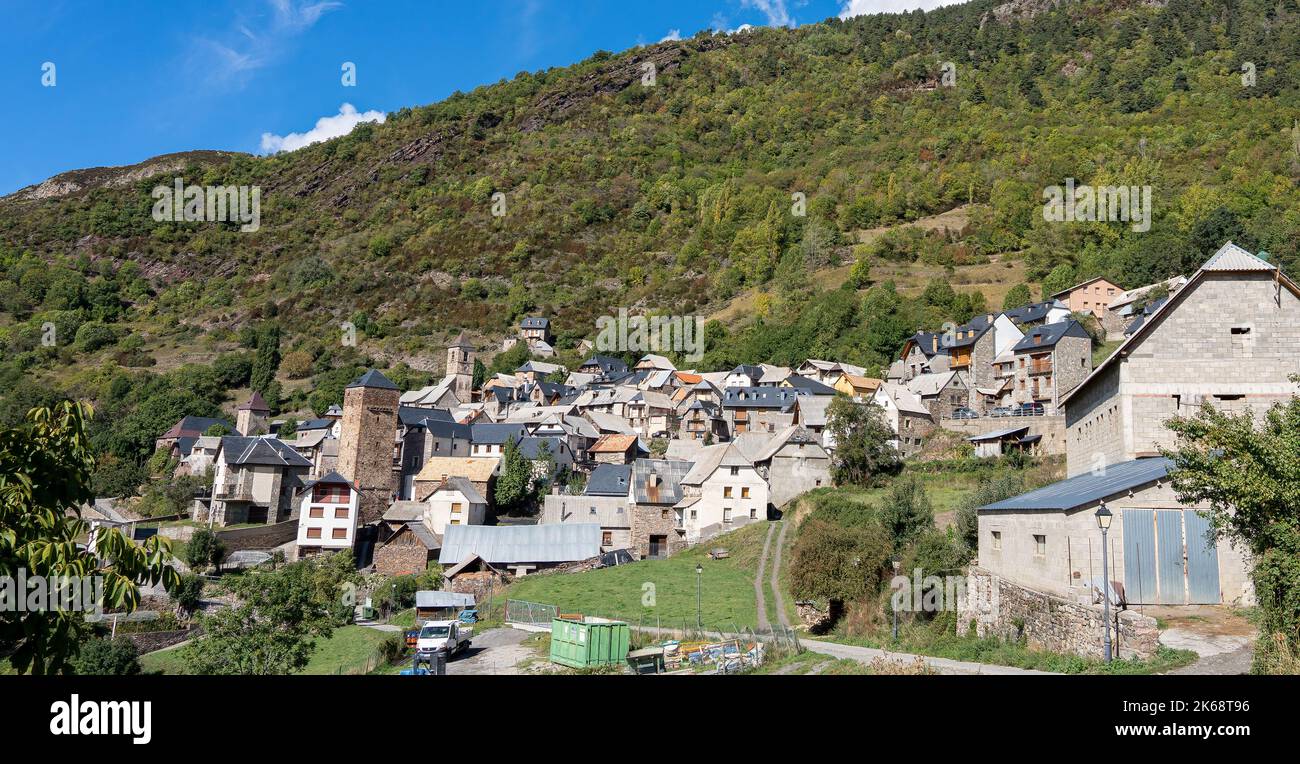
<point x="699" y="578"/>
<point x="1103" y="521"/>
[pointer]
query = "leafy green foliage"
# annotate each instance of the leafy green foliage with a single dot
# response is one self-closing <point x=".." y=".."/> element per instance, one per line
<point x="861" y="436"/>
<point x="108" y="657"/>
<point x="1248" y="474"/>
<point x="45" y="478"/>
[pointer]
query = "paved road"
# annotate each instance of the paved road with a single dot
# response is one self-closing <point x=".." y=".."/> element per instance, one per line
<point x="495" y="651"/>
<point x="1219" y="653"/>
<point x="763" y="623"/>
<point x="941" y="665"/>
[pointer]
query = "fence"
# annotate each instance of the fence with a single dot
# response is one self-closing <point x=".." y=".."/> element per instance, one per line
<point x="530" y="613"/>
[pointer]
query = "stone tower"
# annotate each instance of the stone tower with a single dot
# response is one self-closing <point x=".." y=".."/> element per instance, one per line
<point x="251" y="418"/>
<point x="366" y="439"/>
<point x="460" y="367"/>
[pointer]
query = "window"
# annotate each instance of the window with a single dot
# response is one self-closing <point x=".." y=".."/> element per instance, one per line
<point x="341" y="513"/>
<point x="1040" y="545"/>
<point x="455" y="521"/>
<point x="997" y="539"/>
<point x="340" y="533"/>
<point x="316" y="512"/>
<point x="607" y="538"/>
<point x="456" y="507"/>
<point x="744" y="492"/>
<point x="726" y="515"/>
<point x="726" y="491"/>
<point x="313" y="533"/>
<point x="753" y="513"/>
<point x="735" y="471"/>
<point x="695" y="514"/>
<point x="663" y="514"/>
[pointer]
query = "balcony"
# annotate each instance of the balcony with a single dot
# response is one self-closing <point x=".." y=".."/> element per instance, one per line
<point x="234" y="492"/>
<point x="1040" y="367"/>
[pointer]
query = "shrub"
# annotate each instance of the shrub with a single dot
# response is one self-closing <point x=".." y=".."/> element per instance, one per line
<point x="108" y="657"/>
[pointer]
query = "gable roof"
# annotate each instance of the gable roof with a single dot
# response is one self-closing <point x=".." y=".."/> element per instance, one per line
<point x="535" y="322"/>
<point x="1048" y="335"/>
<point x="610" y="444"/>
<point x="932" y="383"/>
<point x="461" y="341"/>
<point x="609" y="480"/>
<point x="710" y="458"/>
<point x="240" y="450"/>
<point x="373" y="378"/>
<point x="195" y="426"/>
<point x="496" y="434"/>
<point x="808" y="386"/>
<point x="1235" y="259"/>
<point x="1034" y="311"/>
<point x="658" y="481"/>
<point x="1082" y="284"/>
<point x="1087" y="488"/>
<point x="759" y="398"/>
<point x="553" y="542"/>
<point x="462" y="484"/>
<point x="906" y="400"/>
<point x="429" y="393"/>
<point x="255" y="402"/>
<point x="477" y="468"/>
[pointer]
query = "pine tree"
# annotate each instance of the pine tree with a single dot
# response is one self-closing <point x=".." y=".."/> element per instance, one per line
<point x="267" y="362"/>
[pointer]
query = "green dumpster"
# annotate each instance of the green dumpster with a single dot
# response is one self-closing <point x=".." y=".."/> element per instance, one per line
<point x="585" y="642"/>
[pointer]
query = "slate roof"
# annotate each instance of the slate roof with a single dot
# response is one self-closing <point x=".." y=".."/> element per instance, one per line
<point x="461" y="341"/>
<point x="930" y="384"/>
<point x="1050" y="334"/>
<point x="1028" y="314"/>
<point x="255" y="402"/>
<point x="613" y="444"/>
<point x="710" y="458"/>
<point x="609" y="480"/>
<point x="534" y="322"/>
<point x="531" y="447"/>
<point x="239" y="450"/>
<point x="759" y="398"/>
<point x="1087" y="488"/>
<point x="462" y="484"/>
<point x="559" y="542"/>
<point x="808" y="386"/>
<point x="752" y="371"/>
<point x="668" y="489"/>
<point x="373" y="378"/>
<point x="496" y="434"/>
<point x="194" y="426"/>
<point x="606" y="364"/>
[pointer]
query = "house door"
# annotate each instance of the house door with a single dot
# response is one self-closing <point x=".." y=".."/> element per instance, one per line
<point x="1169" y="558"/>
<point x="658" y="547"/>
<point x="1202" y="561"/>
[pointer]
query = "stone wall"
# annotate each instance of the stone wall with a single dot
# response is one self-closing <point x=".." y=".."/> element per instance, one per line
<point x="649" y="519"/>
<point x="149" y="641"/>
<point x="995" y="607"/>
<point x="259" y="537"/>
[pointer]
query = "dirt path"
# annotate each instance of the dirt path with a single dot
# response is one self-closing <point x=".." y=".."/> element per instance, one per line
<point x="759" y="597"/>
<point x="939" y="665"/>
<point x="778" y="601"/>
<point x="1222" y="637"/>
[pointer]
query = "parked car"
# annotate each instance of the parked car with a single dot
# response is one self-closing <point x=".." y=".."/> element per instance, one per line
<point x="1001" y="411"/>
<point x="448" y="637"/>
<point x="965" y="413"/>
<point x="1029" y="409"/>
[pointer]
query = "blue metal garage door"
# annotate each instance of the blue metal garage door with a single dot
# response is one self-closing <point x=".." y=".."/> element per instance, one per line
<point x="1169" y="557"/>
<point x="1139" y="555"/>
<point x="1202" y="561"/>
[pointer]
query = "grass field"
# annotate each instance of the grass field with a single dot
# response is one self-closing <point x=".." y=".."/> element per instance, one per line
<point x="662" y="591"/>
<point x="346" y="651"/>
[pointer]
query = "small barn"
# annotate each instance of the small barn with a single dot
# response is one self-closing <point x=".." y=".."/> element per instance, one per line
<point x="440" y="606"/>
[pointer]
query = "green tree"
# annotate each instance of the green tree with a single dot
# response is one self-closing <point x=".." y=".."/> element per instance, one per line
<point x="267" y="361"/>
<point x="205" y="548"/>
<point x="273" y="629"/>
<point x="1017" y="296"/>
<point x="189" y="591"/>
<point x="905" y="511"/>
<point x="836" y="562"/>
<point x="514" y="482"/>
<point x="45" y="479"/>
<point x="480" y="374"/>
<point x="1248" y="474"/>
<point x="863" y="453"/>
<point x="108" y="657"/>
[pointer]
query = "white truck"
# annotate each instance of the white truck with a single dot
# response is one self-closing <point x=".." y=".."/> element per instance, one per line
<point x="448" y="637"/>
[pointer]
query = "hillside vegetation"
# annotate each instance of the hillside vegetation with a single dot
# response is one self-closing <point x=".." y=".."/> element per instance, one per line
<point x="673" y="198"/>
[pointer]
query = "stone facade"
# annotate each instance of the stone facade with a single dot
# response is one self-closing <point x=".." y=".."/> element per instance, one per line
<point x="403" y="554"/>
<point x="1227" y="338"/>
<point x="654" y="520"/>
<point x="1050" y="427"/>
<point x="366" y="446"/>
<point x="996" y="607"/>
<point x="259" y="537"/>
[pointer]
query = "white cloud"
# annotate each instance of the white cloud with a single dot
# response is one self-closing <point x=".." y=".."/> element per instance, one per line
<point x="851" y="8"/>
<point x="297" y="16"/>
<point x="326" y="128"/>
<point x="774" y="10"/>
<point x="254" y="40"/>
<point x="673" y="34"/>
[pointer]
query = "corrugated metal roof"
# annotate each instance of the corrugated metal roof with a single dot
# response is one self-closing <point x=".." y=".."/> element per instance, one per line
<point x="1087" y="488"/>
<point x="520" y="543"/>
<point x="998" y="434"/>
<point x="1230" y="257"/>
<point x="443" y="599"/>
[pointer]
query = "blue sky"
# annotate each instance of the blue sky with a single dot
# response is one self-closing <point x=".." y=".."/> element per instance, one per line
<point x="138" y="78"/>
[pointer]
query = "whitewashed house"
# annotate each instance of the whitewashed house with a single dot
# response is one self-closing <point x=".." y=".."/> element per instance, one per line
<point x="721" y="492"/>
<point x="328" y="515"/>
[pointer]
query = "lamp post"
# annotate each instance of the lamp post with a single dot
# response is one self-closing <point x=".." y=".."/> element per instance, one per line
<point x="1103" y="521"/>
<point x="699" y="579"/>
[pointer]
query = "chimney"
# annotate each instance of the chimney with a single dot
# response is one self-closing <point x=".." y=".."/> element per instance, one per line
<point x="990" y="317"/>
<point x="934" y="343"/>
